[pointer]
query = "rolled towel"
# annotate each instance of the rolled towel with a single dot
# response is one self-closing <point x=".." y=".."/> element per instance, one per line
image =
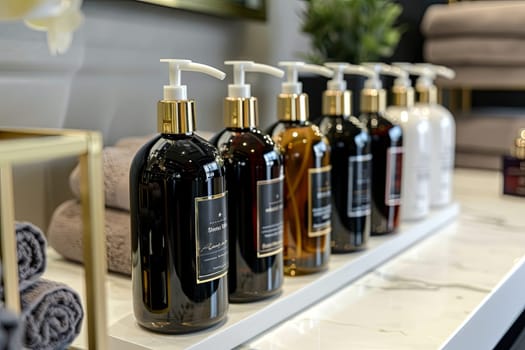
<point x="52" y="314"/>
<point x="31" y="250"/>
<point x="65" y="235"/>
<point x="10" y="330"/>
<point x="31" y="254"/>
<point x="116" y="162"/>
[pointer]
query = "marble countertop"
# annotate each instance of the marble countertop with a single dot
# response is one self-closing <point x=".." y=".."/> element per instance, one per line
<point x="416" y="300"/>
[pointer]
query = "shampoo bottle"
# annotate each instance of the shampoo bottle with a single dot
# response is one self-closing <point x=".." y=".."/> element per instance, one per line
<point x="387" y="153"/>
<point x="416" y="144"/>
<point x="351" y="162"/>
<point x="307" y="190"/>
<point x="179" y="225"/>
<point x="254" y="179"/>
<point x="443" y="132"/>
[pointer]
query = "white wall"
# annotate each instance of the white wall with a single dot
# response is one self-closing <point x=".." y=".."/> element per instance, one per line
<point x="111" y="79"/>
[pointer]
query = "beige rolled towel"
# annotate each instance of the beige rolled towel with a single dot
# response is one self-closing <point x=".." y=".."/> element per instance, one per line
<point x="116" y="162"/>
<point x="65" y="235"/>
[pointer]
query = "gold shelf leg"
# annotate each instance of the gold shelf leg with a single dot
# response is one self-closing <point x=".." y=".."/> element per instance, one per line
<point x="94" y="241"/>
<point x="8" y="239"/>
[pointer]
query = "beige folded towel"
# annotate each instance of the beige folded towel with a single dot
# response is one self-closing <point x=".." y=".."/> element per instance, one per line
<point x="65" y="235"/>
<point x="475" y="18"/>
<point x="478" y="51"/>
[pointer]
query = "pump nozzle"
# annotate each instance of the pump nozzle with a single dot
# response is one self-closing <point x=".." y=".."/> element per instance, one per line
<point x="293" y="68"/>
<point x="176" y="91"/>
<point x="175" y="113"/>
<point x="239" y="89"/>
<point x="425" y="82"/>
<point x="341" y="68"/>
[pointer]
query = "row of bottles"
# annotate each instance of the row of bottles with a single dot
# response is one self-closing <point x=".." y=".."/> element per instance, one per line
<point x="223" y="221"/>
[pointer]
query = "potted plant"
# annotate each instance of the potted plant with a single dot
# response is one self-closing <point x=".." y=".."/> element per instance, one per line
<point x="351" y="31"/>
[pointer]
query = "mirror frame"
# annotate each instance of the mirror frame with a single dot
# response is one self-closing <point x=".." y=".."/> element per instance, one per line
<point x="227" y="8"/>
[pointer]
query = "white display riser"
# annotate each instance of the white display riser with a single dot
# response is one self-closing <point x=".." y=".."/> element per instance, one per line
<point x="246" y="321"/>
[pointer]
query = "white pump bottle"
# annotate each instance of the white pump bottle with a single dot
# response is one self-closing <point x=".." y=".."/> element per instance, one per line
<point x="416" y="144"/>
<point x="443" y="132"/>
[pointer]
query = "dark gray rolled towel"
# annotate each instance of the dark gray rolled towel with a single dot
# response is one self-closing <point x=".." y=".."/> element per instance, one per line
<point x="52" y="314"/>
<point x="31" y="249"/>
<point x="31" y="254"/>
<point x="10" y="330"/>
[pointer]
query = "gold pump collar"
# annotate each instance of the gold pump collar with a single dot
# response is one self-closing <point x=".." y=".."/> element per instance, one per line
<point x="337" y="103"/>
<point x="292" y="107"/>
<point x="240" y="112"/>
<point x="373" y="100"/>
<point x="402" y="96"/>
<point x="176" y="117"/>
<point x="426" y="94"/>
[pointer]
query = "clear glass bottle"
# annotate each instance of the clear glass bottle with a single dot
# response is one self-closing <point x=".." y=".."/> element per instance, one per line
<point x="254" y="178"/>
<point x="179" y="225"/>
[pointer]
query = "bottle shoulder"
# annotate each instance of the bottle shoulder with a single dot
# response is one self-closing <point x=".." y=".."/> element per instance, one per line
<point x="244" y="142"/>
<point x="180" y="154"/>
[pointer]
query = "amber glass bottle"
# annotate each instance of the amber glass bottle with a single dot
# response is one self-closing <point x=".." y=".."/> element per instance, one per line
<point x="307" y="223"/>
<point x="387" y="157"/>
<point x="351" y="172"/>
<point x="254" y="178"/>
<point x="179" y="227"/>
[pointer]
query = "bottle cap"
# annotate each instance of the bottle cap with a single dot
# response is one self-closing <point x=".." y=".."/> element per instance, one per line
<point x="292" y="103"/>
<point x="175" y="113"/>
<point x="240" y="108"/>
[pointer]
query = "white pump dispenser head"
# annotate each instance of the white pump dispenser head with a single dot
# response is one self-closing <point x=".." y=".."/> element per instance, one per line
<point x="239" y="88"/>
<point x="292" y="84"/>
<point x="177" y="92"/>
<point x="340" y="69"/>
<point x="428" y="72"/>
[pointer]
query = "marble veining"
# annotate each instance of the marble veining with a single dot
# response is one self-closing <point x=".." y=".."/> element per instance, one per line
<point x="418" y="299"/>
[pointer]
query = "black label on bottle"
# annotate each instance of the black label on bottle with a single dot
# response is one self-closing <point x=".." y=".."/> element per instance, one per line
<point x="394" y="158"/>
<point x="359" y="172"/>
<point x="269" y="217"/>
<point x="211" y="234"/>
<point x="319" y="198"/>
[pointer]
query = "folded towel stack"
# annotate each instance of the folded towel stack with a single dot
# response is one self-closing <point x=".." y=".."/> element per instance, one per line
<point x="65" y="228"/>
<point x="471" y="36"/>
<point x="51" y="312"/>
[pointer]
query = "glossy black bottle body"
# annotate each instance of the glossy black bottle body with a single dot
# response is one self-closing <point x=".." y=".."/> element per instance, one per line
<point x="387" y="157"/>
<point x="168" y="176"/>
<point x="306" y="155"/>
<point x="253" y="164"/>
<point x="351" y="181"/>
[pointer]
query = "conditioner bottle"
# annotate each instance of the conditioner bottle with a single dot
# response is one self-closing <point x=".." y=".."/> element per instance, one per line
<point x="416" y="144"/>
<point x="307" y="186"/>
<point x="351" y="162"/>
<point x="179" y="221"/>
<point x="442" y="129"/>
<point x="254" y="179"/>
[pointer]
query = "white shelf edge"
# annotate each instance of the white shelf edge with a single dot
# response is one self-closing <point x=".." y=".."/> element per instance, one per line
<point x="487" y="324"/>
<point x="273" y="312"/>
